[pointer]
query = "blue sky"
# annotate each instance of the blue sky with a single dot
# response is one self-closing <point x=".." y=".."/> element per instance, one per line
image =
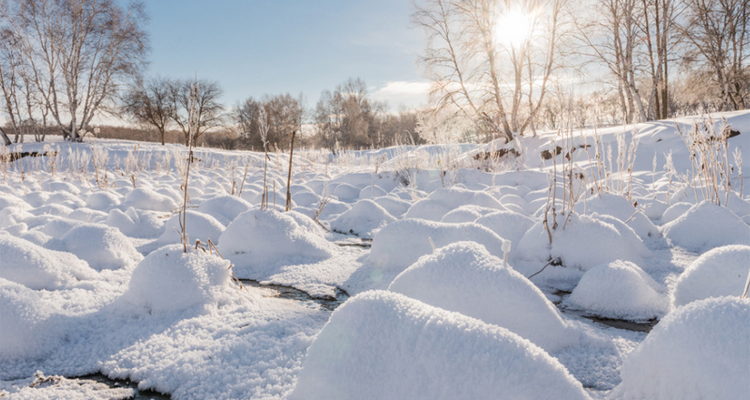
<point x="256" y="47"/>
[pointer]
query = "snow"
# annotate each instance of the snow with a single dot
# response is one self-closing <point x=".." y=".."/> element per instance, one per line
<point x="401" y="243"/>
<point x="583" y="242"/>
<point x="261" y="239"/>
<point x="464" y="277"/>
<point x="38" y="268"/>
<point x="93" y="277"/>
<point x="364" y="219"/>
<point x="199" y="226"/>
<point x="442" y="201"/>
<point x="699" y="351"/>
<point x="386" y="345"/>
<point x="719" y="272"/>
<point x="619" y="290"/>
<point x="169" y="280"/>
<point x="101" y="247"/>
<point x="705" y="226"/>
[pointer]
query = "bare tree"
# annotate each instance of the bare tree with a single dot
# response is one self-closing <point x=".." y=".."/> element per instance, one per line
<point x="284" y="115"/>
<point x="495" y="77"/>
<point x="78" y="53"/>
<point x="610" y="39"/>
<point x="209" y="112"/>
<point x="150" y="103"/>
<point x="718" y="32"/>
<point x="348" y="117"/>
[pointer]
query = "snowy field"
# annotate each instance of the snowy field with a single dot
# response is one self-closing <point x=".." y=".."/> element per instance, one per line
<point x="612" y="268"/>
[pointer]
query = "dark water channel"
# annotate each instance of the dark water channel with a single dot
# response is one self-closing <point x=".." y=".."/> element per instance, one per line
<point x="283" y="292"/>
<point x="636" y="326"/>
<point x="288" y="292"/>
<point x="124" y="383"/>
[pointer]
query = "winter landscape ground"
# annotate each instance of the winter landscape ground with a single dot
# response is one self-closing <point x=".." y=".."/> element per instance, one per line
<point x="597" y="264"/>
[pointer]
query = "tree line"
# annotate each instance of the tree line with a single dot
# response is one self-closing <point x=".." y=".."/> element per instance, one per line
<point x="660" y="58"/>
<point x="499" y="68"/>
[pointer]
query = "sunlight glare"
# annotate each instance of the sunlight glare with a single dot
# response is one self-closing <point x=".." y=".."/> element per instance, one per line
<point x="514" y="27"/>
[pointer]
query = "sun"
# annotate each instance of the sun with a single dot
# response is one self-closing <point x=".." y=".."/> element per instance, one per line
<point x="514" y="27"/>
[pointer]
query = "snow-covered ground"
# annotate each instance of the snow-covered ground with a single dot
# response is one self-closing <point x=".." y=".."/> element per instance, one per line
<point x="468" y="278"/>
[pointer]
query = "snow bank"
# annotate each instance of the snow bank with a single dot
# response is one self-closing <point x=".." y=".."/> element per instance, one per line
<point x="38" y="268"/>
<point x="169" y="280"/>
<point x="401" y="243"/>
<point x="619" y="290"/>
<point x="699" y="351"/>
<point x="719" y="272"/>
<point x="706" y="226"/>
<point x="382" y="345"/>
<point x="101" y="247"/>
<point x="442" y="201"/>
<point x="464" y="277"/>
<point x="365" y="218"/>
<point x="259" y="239"/>
<point x="585" y="242"/>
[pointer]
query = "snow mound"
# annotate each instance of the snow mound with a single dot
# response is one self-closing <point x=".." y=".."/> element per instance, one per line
<point x="198" y="226"/>
<point x="619" y="290"/>
<point x="135" y="224"/>
<point x="24" y="326"/>
<point x="101" y="247"/>
<point x="365" y="218"/>
<point x="619" y="207"/>
<point x="265" y="238"/>
<point x="382" y="345"/>
<point x="401" y="243"/>
<point x="224" y="208"/>
<point x="467" y="213"/>
<point x="675" y="211"/>
<point x="442" y="201"/>
<point x="706" y="226"/>
<point x="719" y="272"/>
<point x="372" y="191"/>
<point x="346" y="192"/>
<point x="464" y="277"/>
<point x="38" y="268"/>
<point x="147" y="199"/>
<point x="395" y="206"/>
<point x="169" y="280"/>
<point x="699" y="351"/>
<point x="585" y="242"/>
<point x="102" y="200"/>
<point x="507" y="224"/>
